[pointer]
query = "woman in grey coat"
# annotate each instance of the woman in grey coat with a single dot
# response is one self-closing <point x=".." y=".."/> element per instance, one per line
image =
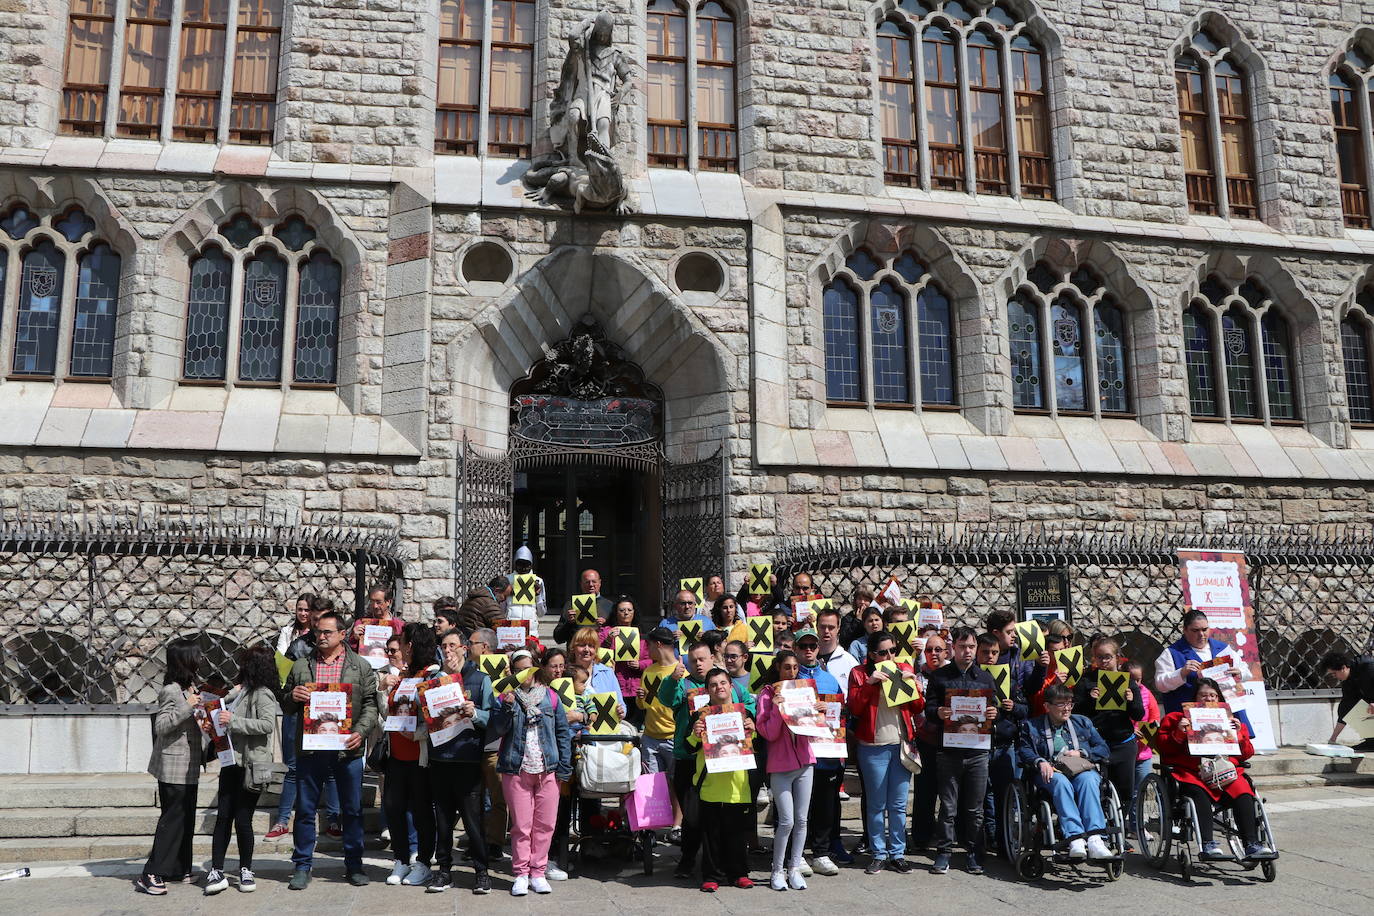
<point x="176" y="765"/>
<point x="250" y="716"/>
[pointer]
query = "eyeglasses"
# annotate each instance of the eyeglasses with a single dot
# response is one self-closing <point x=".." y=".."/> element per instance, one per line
<point x="1067" y="704"/>
<point x="733" y="656"/>
<point x="881" y="651"/>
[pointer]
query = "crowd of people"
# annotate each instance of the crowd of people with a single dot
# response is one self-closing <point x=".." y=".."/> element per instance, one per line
<point x="502" y="764"/>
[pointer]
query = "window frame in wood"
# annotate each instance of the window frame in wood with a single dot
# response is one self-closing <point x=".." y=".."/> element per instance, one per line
<point x="691" y="142"/>
<point x="1222" y="187"/>
<point x="76" y="93"/>
<point x="462" y="126"/>
<point x="1354" y="127"/>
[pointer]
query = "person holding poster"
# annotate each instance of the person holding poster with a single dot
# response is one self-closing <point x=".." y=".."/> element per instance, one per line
<point x="630" y="659"/>
<point x="582" y="653"/>
<point x="535" y="757"/>
<point x="790" y="765"/>
<point x="828" y="778"/>
<point x="1059" y="750"/>
<point x="1212" y="781"/>
<point x="249" y="716"/>
<point x="1356" y="677"/>
<point x="963" y="771"/>
<point x="379" y="613"/>
<point x="1178" y="671"/>
<point x="406" y="797"/>
<point x="332" y="662"/>
<point x="880" y="730"/>
<point x="590" y="583"/>
<point x="1011" y="712"/>
<point x="175" y="764"/>
<point x="1105" y="696"/>
<point x="684" y="609"/>
<point x="719" y="739"/>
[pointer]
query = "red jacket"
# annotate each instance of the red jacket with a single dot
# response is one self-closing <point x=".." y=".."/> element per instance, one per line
<point x="865" y="696"/>
<point x="1174" y="753"/>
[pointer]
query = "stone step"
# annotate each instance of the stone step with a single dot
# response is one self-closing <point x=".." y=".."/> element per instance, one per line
<point x="17" y="851"/>
<point x="1293" y="762"/>
<point x="119" y="790"/>
<point x="124" y="821"/>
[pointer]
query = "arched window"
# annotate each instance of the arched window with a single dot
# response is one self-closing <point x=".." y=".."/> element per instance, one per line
<point x="1350" y="114"/>
<point x="1052" y="313"/>
<point x="44" y="339"/>
<point x="1355" y="355"/>
<point x="888" y="348"/>
<point x="217" y="93"/>
<point x="1218" y="146"/>
<point x="495" y="37"/>
<point x="970" y="82"/>
<point x="1236" y="341"/>
<point x="687" y="128"/>
<point x="288" y="313"/>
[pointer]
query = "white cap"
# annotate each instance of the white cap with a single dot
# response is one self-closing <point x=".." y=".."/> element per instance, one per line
<point x="523" y="553"/>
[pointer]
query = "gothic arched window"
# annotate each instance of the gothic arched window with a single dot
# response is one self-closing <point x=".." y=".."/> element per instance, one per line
<point x="287" y="314"/>
<point x="869" y="333"/>
<point x="1215" y="121"/>
<point x="1073" y="319"/>
<point x="1350" y="114"/>
<point x="1355" y="356"/>
<point x="1236" y="341"/>
<point x="691" y="44"/>
<point x="982" y="121"/>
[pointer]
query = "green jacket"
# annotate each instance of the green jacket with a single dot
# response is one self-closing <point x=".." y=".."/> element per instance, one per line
<point x="673" y="694"/>
<point x="362" y="700"/>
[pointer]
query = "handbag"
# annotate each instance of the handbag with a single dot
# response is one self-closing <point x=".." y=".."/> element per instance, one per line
<point x="911" y="758"/>
<point x="1217" y="772"/>
<point x="379" y="754"/>
<point x="1072" y="766"/>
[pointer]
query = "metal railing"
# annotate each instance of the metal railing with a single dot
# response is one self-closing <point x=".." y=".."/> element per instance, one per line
<point x="1312" y="587"/>
<point x="89" y="602"/>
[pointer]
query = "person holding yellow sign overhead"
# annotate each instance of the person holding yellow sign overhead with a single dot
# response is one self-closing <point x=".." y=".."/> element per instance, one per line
<point x="1105" y="696"/>
<point x="527" y="598"/>
<point x="630" y="653"/>
<point x="685" y="608"/>
<point x="590" y="584"/>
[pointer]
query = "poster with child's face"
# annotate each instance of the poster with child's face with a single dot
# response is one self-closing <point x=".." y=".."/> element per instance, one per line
<point x="727" y="745"/>
<point x="800" y="709"/>
<point x="402" y="705"/>
<point x="328" y="722"/>
<point x="968" y="726"/>
<point x="372" y="644"/>
<point x="1210" y="731"/>
<point x="833" y="745"/>
<point x="442" y="700"/>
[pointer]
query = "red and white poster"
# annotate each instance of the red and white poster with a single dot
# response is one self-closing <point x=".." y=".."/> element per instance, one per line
<point x="1217" y="583"/>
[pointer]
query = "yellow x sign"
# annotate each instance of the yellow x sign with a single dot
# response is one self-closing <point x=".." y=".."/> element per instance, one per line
<point x="523" y="589"/>
<point x="508" y="682"/>
<point x="605" y="713"/>
<point x="759" y="574"/>
<point x="695" y="586"/>
<point x="626" y="644"/>
<point x="898" y="689"/>
<point x="1031" y="639"/>
<point x="1001" y="680"/>
<point x="760" y="633"/>
<point x="584" y="610"/>
<point x="1071" y="660"/>
<point x="563" y="687"/>
<point x="1111" y="689"/>
<point x="493" y="665"/>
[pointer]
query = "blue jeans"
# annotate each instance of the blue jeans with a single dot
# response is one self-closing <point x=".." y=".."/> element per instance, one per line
<point x="1002" y="771"/>
<point x="886" y="783"/>
<point x="289" y="724"/>
<point x="1143" y="768"/>
<point x="313" y="769"/>
<point x="1078" y="803"/>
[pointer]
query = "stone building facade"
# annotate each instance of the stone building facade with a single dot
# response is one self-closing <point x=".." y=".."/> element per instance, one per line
<point x="452" y="282"/>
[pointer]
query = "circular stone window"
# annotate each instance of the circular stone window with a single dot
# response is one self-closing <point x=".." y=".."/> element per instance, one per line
<point x="699" y="272"/>
<point x="487" y="262"/>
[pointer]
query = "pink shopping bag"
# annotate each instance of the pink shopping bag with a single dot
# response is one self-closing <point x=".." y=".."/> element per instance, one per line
<point x="650" y="806"/>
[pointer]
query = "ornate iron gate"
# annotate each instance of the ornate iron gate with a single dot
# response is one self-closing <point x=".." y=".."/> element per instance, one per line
<point x="1312" y="587"/>
<point x="693" y="520"/>
<point x="485" y="492"/>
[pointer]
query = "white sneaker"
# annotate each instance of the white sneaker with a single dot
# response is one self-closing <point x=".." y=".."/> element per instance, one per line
<point x="540" y="886"/>
<point x="795" y="879"/>
<point x="1078" y="850"/>
<point x="778" y="881"/>
<point x="385" y="835"/>
<point x="844" y="796"/>
<point x="1097" y="849"/>
<point x="806" y="868"/>
<point x="823" y="865"/>
<point x="417" y="876"/>
<point x="399" y="870"/>
<point x="520" y="886"/>
<point x="554" y="873"/>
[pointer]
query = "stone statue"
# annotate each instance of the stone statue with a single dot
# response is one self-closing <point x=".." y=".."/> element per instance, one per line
<point x="581" y="170"/>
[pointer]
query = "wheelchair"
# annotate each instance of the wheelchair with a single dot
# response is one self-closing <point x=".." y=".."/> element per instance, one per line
<point x="1166" y="820"/>
<point x="1030" y="834"/>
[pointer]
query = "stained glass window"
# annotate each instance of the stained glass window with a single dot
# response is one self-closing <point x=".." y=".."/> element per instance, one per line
<point x="1066" y="341"/>
<point x="18" y="223"/>
<point x="317" y="320"/>
<point x="241" y="231"/>
<point x="891" y="376"/>
<point x="1024" y="326"/>
<point x="75" y="225"/>
<point x="841" y="332"/>
<point x="97" y="303"/>
<point x="1197" y="342"/>
<point x="40" y="310"/>
<point x="1238" y="349"/>
<point x="294" y="233"/>
<point x="1278" y="366"/>
<point x="1359" y="395"/>
<point x="207" y="317"/>
<point x="1109" y="332"/>
<point x="264" y="313"/>
<point x="935" y="329"/>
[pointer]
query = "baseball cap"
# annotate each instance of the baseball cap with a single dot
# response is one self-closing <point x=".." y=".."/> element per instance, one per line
<point x="806" y="633"/>
<point x="663" y="635"/>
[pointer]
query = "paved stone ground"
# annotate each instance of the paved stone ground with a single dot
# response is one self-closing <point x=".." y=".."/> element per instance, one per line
<point x="1324" y="836"/>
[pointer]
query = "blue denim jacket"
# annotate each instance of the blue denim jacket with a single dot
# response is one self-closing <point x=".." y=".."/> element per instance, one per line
<point x="508" y="720"/>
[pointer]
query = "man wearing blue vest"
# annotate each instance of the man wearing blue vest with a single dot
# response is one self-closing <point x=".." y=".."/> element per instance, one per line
<point x="1177" y="670"/>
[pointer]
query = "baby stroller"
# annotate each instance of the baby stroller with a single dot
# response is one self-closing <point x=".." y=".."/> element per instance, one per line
<point x="607" y="767"/>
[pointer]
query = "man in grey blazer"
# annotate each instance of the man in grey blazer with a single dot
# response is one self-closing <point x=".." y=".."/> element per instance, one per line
<point x="331" y="662"/>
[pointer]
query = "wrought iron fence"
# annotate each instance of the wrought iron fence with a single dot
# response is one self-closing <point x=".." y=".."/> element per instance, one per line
<point x="88" y="602"/>
<point x="1312" y="586"/>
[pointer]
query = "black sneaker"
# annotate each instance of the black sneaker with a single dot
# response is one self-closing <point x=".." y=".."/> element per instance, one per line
<point x="215" y="881"/>
<point x="900" y="866"/>
<point x="481" y="884"/>
<point x="247" y="883"/>
<point x="438" y="882"/>
<point x="151" y="884"/>
<point x="684" y="870"/>
<point x="975" y="867"/>
<point x="873" y="867"/>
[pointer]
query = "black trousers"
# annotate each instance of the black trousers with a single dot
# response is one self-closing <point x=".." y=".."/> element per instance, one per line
<point x="927" y="792"/>
<point x="234" y="812"/>
<point x="406" y="791"/>
<point x="1243" y="808"/>
<point x="456" y="789"/>
<point x="963" y="781"/>
<point x="684" y="774"/>
<point x="176" y="827"/>
<point x="823" y="814"/>
<point x="725" y="840"/>
<point x="1121" y="771"/>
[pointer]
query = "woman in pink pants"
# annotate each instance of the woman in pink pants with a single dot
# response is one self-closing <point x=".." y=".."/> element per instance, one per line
<point x="535" y="756"/>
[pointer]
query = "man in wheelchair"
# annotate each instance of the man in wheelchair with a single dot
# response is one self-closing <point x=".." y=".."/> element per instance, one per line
<point x="1213" y="783"/>
<point x="1060" y="752"/>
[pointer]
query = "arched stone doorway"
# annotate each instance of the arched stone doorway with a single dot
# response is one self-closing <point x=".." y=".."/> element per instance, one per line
<point x="610" y="451"/>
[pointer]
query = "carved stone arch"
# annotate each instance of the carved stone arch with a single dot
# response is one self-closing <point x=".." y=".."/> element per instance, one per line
<point x="1263" y="103"/>
<point x="636" y="311"/>
<point x="53" y="194"/>
<point x="1156" y="402"/>
<point x="1361" y="39"/>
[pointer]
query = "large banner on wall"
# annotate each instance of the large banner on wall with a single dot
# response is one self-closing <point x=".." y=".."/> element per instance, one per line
<point x="1217" y="583"/>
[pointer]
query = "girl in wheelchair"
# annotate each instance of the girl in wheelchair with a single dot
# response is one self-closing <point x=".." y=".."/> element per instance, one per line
<point x="1213" y="783"/>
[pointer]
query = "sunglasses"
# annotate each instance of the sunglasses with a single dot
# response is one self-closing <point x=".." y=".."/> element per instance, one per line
<point x="882" y="651"/>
